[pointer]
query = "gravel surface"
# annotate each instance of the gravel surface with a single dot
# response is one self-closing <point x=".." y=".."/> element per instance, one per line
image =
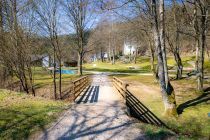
<point x="99" y="114"/>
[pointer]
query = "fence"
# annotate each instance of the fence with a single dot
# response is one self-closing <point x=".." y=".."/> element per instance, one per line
<point x="135" y="107"/>
<point x="77" y="87"/>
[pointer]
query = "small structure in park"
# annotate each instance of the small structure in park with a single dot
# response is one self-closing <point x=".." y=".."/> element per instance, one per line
<point x="46" y="60"/>
<point x="129" y="47"/>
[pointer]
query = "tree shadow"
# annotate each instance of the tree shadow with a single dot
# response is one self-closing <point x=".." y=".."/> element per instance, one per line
<point x="138" y="110"/>
<point x="86" y="124"/>
<point x="20" y="124"/>
<point x="200" y="99"/>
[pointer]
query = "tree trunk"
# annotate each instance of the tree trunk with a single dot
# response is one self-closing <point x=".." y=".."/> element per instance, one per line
<point x="196" y="30"/>
<point x="54" y="73"/>
<point x="130" y="55"/>
<point x="60" y="79"/>
<point x="109" y="51"/>
<point x="31" y="80"/>
<point x="202" y="43"/>
<point x="79" y="63"/>
<point x="179" y="65"/>
<point x="113" y="57"/>
<point x="167" y="90"/>
<point x="135" y="57"/>
<point x="201" y="56"/>
<point x="200" y="63"/>
<point x="102" y="55"/>
<point x="177" y="44"/>
<point x="197" y="42"/>
<point x="152" y="58"/>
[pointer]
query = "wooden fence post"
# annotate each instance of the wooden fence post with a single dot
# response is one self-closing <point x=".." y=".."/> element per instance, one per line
<point x="74" y="92"/>
<point x="125" y="85"/>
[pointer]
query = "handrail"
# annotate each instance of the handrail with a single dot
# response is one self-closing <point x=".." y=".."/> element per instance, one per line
<point x="77" y="87"/>
<point x="78" y="79"/>
<point x="134" y="105"/>
<point x="120" y="85"/>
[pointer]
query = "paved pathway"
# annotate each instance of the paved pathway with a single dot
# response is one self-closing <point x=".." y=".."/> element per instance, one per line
<point x="98" y="115"/>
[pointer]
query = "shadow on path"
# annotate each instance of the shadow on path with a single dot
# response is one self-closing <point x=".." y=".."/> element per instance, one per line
<point x="90" y="95"/>
<point x="106" y="123"/>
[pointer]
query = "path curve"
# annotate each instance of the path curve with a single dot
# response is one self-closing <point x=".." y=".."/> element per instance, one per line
<point x="98" y="115"/>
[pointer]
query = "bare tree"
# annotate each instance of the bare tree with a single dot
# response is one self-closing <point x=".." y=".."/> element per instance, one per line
<point x="79" y="17"/>
<point x="201" y="24"/>
<point x="199" y="18"/>
<point x="157" y="21"/>
<point x="47" y="11"/>
<point x="17" y="42"/>
<point x="159" y="38"/>
<point x="173" y="37"/>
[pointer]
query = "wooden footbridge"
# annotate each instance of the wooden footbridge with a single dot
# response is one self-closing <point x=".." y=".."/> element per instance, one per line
<point x="101" y="110"/>
<point x="134" y="107"/>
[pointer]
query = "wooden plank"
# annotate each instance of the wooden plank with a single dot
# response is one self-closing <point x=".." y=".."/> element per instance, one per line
<point x="79" y="85"/>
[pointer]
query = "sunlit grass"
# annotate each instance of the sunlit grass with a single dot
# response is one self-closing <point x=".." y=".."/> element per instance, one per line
<point x="21" y="115"/>
<point x="207" y="66"/>
<point x="117" y="67"/>
<point x="143" y="65"/>
<point x="43" y="77"/>
<point x="193" y="122"/>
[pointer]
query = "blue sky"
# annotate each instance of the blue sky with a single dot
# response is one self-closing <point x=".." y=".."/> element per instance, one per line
<point x="65" y="26"/>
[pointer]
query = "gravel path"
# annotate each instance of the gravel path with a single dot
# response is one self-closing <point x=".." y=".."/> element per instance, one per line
<point x="98" y="115"/>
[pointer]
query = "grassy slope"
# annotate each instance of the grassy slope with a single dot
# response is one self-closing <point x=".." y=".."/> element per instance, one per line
<point x="21" y="115"/>
<point x="193" y="121"/>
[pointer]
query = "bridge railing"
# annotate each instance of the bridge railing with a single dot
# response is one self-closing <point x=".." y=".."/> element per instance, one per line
<point x="134" y="106"/>
<point x="120" y="86"/>
<point x="77" y="86"/>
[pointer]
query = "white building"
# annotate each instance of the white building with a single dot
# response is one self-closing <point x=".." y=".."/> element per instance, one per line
<point x="129" y="47"/>
<point x="46" y="61"/>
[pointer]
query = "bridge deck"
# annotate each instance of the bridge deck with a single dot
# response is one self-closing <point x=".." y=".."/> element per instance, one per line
<point x="98" y="114"/>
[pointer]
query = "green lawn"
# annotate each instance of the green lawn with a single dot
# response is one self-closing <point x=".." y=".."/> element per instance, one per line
<point x="185" y="61"/>
<point x="43" y="82"/>
<point x="118" y="67"/>
<point x="193" y="122"/>
<point x="21" y="115"/>
<point x="142" y="65"/>
<point x="43" y="77"/>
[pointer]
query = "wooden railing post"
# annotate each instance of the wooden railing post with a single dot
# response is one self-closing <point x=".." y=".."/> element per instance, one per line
<point x="77" y="86"/>
<point x="125" y="95"/>
<point x="125" y="85"/>
<point x="74" y="91"/>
